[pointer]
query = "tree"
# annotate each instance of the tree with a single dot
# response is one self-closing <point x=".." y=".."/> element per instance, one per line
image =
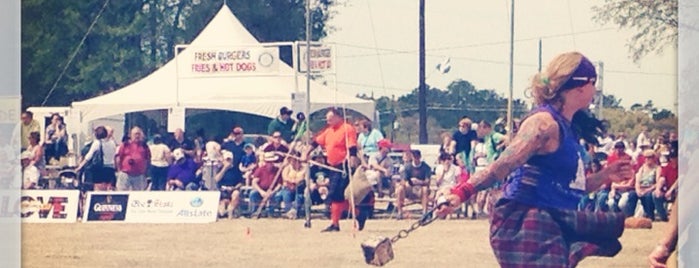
<point x="654" y="21"/>
<point x="130" y="39"/>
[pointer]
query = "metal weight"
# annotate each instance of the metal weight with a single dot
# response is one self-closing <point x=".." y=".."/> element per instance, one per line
<point x="379" y="250"/>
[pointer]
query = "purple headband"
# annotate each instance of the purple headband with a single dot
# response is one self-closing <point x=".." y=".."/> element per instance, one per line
<point x="582" y="75"/>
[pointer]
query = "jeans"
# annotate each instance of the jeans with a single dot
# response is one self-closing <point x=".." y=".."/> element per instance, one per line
<point x="285" y="195"/>
<point x="601" y="200"/>
<point x="255" y="200"/>
<point x="651" y="203"/>
<point x="624" y="202"/>
<point x="158" y="177"/>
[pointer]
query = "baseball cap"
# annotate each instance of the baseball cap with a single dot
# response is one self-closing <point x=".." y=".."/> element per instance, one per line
<point x="384" y="143"/>
<point x="285" y="110"/>
<point x="227" y="154"/>
<point x="178" y="154"/>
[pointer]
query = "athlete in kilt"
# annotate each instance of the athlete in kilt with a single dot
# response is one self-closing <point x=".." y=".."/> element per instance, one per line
<point x="535" y="223"/>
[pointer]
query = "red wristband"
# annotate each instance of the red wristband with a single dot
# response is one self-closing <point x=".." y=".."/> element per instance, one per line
<point x="464" y="190"/>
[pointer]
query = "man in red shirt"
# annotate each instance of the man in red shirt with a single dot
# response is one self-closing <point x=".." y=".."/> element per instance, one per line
<point x="669" y="172"/>
<point x="133" y="159"/>
<point x="339" y="139"/>
<point x="263" y="181"/>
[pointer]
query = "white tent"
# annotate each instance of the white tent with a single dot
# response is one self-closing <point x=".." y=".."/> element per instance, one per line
<point x="259" y="95"/>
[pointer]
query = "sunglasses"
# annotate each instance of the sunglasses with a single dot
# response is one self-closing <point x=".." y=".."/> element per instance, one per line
<point x="592" y="80"/>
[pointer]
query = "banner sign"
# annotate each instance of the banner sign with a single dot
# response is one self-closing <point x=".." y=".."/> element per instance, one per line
<point x="49" y="205"/>
<point x="153" y="207"/>
<point x="106" y="206"/>
<point x="203" y="62"/>
<point x="322" y="58"/>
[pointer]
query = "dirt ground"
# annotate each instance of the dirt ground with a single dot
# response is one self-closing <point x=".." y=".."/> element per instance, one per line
<point x="279" y="243"/>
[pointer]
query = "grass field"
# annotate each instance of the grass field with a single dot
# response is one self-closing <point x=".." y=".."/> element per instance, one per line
<point x="280" y="243"/>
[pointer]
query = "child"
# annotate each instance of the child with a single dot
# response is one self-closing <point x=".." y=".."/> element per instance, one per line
<point x="248" y="163"/>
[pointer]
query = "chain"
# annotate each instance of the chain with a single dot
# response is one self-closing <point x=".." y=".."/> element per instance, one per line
<point x="425" y="220"/>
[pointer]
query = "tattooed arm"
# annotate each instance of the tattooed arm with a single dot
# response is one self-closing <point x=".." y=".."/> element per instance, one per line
<point x="539" y="134"/>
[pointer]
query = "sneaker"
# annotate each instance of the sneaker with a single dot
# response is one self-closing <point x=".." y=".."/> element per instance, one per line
<point x="331" y="228"/>
<point x="291" y="214"/>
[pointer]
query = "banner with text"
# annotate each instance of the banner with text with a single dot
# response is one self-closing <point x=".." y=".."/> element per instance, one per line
<point x="153" y="207"/>
<point x="49" y="205"/>
<point x="206" y="62"/>
<point x="322" y="58"/>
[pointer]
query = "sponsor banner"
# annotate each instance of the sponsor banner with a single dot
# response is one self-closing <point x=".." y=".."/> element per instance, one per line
<point x="49" y="205"/>
<point x="322" y="58"/>
<point x="106" y="206"/>
<point x="154" y="207"/>
<point x="205" y="62"/>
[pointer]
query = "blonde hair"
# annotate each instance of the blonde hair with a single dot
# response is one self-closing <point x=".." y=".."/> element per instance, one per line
<point x="545" y="86"/>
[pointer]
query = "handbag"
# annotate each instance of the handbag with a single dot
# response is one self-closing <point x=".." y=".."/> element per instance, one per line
<point x="97" y="160"/>
<point x="359" y="186"/>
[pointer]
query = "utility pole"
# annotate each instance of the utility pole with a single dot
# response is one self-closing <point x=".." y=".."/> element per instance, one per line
<point x="422" y="91"/>
<point x="510" y="119"/>
<point x="539" y="55"/>
<point x="600" y="87"/>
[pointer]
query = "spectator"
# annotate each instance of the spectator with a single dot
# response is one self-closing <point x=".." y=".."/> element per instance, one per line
<point x="229" y="184"/>
<point x="212" y="162"/>
<point x="446" y="174"/>
<point x="282" y="124"/>
<point x="319" y="180"/>
<point x="622" y="195"/>
<point x="300" y="126"/>
<point x="29" y="125"/>
<point x="181" y="174"/>
<point x="180" y="141"/>
<point x="133" y="159"/>
<point x="464" y="136"/>
<point x="494" y="142"/>
<point x="159" y="163"/>
<point x="643" y="137"/>
<point x="368" y="138"/>
<point x="381" y="169"/>
<point x="293" y="175"/>
<point x="649" y="184"/>
<point x="37" y="151"/>
<point x="235" y="144"/>
<point x="100" y="174"/>
<point x="263" y="181"/>
<point x="670" y="173"/>
<point x="30" y="174"/>
<point x="275" y="145"/>
<point x="448" y="144"/>
<point x="56" y="139"/>
<point x="416" y="184"/>
<point x="248" y="163"/>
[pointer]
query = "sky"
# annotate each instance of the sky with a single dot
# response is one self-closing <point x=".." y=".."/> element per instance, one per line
<point x="376" y="42"/>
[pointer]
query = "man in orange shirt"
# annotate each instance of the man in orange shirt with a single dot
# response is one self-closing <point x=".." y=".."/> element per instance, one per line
<point x="338" y="139"/>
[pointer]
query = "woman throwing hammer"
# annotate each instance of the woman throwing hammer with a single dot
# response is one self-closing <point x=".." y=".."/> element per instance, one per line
<point x="535" y="223"/>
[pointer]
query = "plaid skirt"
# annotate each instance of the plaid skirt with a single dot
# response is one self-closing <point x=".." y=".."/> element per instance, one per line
<point x="526" y="236"/>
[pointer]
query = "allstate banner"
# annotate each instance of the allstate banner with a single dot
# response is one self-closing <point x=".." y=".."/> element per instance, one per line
<point x="49" y="205"/>
<point x="153" y="207"/>
<point x="236" y="61"/>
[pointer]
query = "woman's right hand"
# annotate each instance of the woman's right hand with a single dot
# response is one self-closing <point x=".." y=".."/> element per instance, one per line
<point x="452" y="203"/>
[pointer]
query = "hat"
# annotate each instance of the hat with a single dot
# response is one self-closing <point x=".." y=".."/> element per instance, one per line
<point x="178" y="154"/>
<point x="384" y="143"/>
<point x="25" y="155"/>
<point x="249" y="145"/>
<point x="227" y="154"/>
<point x="285" y="110"/>
<point x="270" y="156"/>
<point x="649" y="153"/>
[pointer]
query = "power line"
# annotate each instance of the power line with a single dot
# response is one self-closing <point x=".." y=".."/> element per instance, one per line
<point x="75" y="52"/>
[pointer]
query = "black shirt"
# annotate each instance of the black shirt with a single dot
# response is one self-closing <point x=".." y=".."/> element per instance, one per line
<point x="463" y="141"/>
<point x="421" y="172"/>
<point x="186" y="144"/>
<point x="230" y="178"/>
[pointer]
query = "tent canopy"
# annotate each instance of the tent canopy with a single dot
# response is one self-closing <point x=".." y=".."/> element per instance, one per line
<point x="261" y="94"/>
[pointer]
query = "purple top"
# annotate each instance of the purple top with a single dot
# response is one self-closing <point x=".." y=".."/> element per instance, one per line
<point x="183" y="171"/>
<point x="555" y="180"/>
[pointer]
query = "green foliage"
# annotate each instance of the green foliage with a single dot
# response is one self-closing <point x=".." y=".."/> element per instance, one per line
<point x="654" y="22"/>
<point x="133" y="38"/>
